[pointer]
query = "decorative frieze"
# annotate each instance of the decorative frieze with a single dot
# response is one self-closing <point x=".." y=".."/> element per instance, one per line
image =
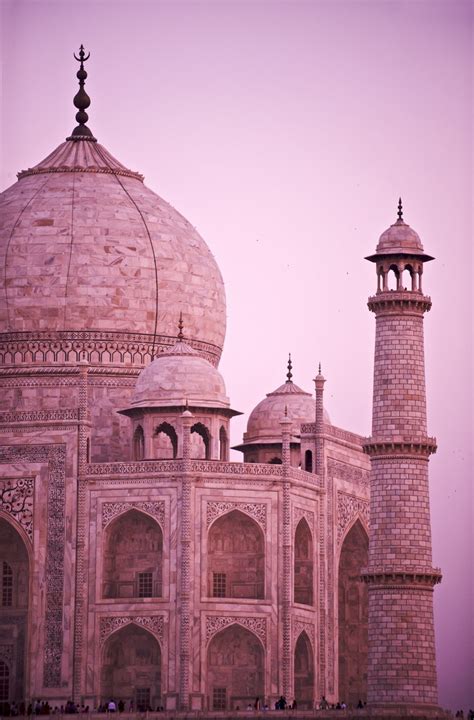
<point x="348" y="508"/>
<point x="211" y="467"/>
<point x="257" y="511"/>
<point x="216" y="623"/>
<point x="349" y="473"/>
<point x="110" y="510"/>
<point x="38" y="416"/>
<point x="153" y="623"/>
<point x="17" y="499"/>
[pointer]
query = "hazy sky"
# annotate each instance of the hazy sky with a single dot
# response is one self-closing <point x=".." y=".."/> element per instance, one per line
<point x="285" y="132"/>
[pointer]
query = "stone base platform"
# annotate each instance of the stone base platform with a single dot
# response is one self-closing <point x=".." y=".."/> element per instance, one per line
<point x="382" y="713"/>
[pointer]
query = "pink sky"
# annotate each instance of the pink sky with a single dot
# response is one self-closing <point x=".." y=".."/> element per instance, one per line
<point x="285" y="132"/>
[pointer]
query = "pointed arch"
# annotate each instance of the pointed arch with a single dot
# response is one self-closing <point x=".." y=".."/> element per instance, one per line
<point x="132" y="667"/>
<point x="304" y="564"/>
<point x="235" y="668"/>
<point x="138" y="443"/>
<point x="15" y="562"/>
<point x="223" y="444"/>
<point x="304" y="672"/>
<point x="353" y="615"/>
<point x="165" y="442"/>
<point x="308" y="461"/>
<point x="236" y="557"/>
<point x="201" y="442"/>
<point x="133" y="556"/>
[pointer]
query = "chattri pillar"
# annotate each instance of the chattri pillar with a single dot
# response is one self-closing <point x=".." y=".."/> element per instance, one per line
<point x="400" y="576"/>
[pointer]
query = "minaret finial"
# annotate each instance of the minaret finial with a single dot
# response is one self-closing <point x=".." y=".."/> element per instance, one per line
<point x="180" y="327"/>
<point x="289" y="374"/>
<point x="400" y="210"/>
<point x="81" y="101"/>
<point x="319" y="369"/>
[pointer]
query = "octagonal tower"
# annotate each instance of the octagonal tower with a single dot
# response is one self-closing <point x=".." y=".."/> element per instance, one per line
<point x="400" y="576"/>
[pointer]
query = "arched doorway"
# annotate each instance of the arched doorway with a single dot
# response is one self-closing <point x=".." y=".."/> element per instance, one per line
<point x="131" y="668"/>
<point x="235" y="669"/>
<point x="200" y="442"/>
<point x="165" y="442"/>
<point x="304" y="673"/>
<point x="303" y="564"/>
<point x="133" y="557"/>
<point x="14" y="589"/>
<point x="353" y="613"/>
<point x="236" y="557"/>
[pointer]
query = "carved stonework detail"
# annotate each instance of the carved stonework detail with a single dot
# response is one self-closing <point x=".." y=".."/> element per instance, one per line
<point x="211" y="467"/>
<point x="300" y="626"/>
<point x="6" y="653"/>
<point x="33" y="416"/>
<point x="110" y="510"/>
<point x="342" y="471"/>
<point x="96" y="347"/>
<point x="16" y="499"/>
<point x="308" y="515"/>
<point x="108" y="625"/>
<point x="349" y="507"/>
<point x="257" y="511"/>
<point x="55" y="456"/>
<point x="256" y="625"/>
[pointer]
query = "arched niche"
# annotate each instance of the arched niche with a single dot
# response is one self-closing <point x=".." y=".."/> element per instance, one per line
<point x="14" y="602"/>
<point x="308" y="461"/>
<point x="353" y="614"/>
<point x="138" y="443"/>
<point x="235" y="669"/>
<point x="223" y="444"/>
<point x="236" y="557"/>
<point x="304" y="563"/>
<point x="133" y="557"/>
<point x="200" y="442"/>
<point x="165" y="442"/>
<point x="131" y="668"/>
<point x="304" y="673"/>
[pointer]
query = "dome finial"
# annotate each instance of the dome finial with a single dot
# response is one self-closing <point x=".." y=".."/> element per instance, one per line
<point x="180" y="327"/>
<point x="400" y="210"/>
<point x="319" y="369"/>
<point x="289" y="374"/>
<point x="81" y="101"/>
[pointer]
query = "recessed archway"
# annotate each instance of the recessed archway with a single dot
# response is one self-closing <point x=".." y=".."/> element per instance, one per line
<point x="165" y="442"/>
<point x="131" y="668"/>
<point x="353" y="614"/>
<point x="304" y="673"/>
<point x="235" y="669"/>
<point x="133" y="557"/>
<point x="303" y="581"/>
<point x="14" y="601"/>
<point x="236" y="557"/>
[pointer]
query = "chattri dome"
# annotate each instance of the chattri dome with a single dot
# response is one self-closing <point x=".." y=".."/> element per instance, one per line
<point x="288" y="400"/>
<point x="87" y="247"/>
<point x="399" y="238"/>
<point x="178" y="377"/>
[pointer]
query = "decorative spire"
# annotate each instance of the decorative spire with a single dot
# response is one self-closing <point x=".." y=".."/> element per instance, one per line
<point x="180" y="327"/>
<point x="82" y="101"/>
<point x="319" y="369"/>
<point x="400" y="210"/>
<point x="289" y="374"/>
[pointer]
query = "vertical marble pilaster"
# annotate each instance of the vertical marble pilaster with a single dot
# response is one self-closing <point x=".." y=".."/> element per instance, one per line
<point x="286" y="584"/>
<point x="184" y="602"/>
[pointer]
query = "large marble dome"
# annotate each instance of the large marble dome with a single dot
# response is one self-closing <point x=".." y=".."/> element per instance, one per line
<point x="87" y="247"/>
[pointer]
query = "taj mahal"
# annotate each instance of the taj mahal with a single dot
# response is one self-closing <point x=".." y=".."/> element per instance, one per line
<point x="137" y="562"/>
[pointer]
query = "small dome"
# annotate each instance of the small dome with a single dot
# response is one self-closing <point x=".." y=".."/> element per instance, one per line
<point x="399" y="238"/>
<point x="264" y="421"/>
<point x="177" y="377"/>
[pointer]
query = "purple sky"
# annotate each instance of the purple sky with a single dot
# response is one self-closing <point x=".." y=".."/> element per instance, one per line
<point x="285" y="132"/>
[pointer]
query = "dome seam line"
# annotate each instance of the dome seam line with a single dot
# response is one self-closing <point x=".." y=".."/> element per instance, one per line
<point x="70" y="250"/>
<point x="149" y="238"/>
<point x="15" y="225"/>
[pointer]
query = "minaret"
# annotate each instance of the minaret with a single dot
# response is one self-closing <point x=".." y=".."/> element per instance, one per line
<point x="400" y="576"/>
